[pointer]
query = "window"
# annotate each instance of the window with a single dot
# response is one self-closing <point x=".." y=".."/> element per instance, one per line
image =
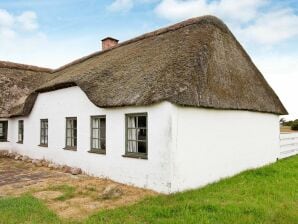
<point x="3" y="131"/>
<point x="98" y="134"/>
<point x="20" y="131"/>
<point x="44" y="132"/>
<point x="136" y="135"/>
<point x="71" y="133"/>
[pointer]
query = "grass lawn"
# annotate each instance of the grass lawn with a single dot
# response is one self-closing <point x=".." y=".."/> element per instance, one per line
<point x="266" y="195"/>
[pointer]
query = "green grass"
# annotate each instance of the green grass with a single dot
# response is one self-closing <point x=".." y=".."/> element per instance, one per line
<point x="25" y="209"/>
<point x="268" y="195"/>
<point x="68" y="191"/>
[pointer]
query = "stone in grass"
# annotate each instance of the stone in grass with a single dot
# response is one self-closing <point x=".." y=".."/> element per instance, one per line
<point x="44" y="163"/>
<point x="11" y="155"/>
<point x="25" y="158"/>
<point x="111" y="191"/>
<point x="17" y="157"/>
<point x="4" y="153"/>
<point x="75" y="171"/>
<point x="37" y="162"/>
<point x="66" y="169"/>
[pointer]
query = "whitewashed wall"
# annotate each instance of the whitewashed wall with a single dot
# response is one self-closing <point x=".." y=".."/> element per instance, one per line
<point x="213" y="144"/>
<point x="187" y="147"/>
<point x="55" y="106"/>
<point x="288" y="145"/>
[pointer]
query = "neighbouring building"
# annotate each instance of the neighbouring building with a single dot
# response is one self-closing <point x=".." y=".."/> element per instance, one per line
<point x="170" y="110"/>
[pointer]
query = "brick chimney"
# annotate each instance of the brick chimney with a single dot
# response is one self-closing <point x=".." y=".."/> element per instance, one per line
<point x="108" y="42"/>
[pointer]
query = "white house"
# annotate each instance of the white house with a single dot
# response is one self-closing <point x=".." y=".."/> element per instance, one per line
<point x="170" y="110"/>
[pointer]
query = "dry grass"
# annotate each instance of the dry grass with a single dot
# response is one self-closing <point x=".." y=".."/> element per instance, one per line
<point x="72" y="197"/>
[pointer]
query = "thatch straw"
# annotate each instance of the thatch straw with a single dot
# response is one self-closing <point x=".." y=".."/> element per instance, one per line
<point x="196" y="63"/>
<point x="17" y="81"/>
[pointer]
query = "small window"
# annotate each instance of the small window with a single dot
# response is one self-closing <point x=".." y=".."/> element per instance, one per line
<point x="98" y="134"/>
<point x="136" y="135"/>
<point x="44" y="132"/>
<point x="71" y="133"/>
<point x="20" y="131"/>
<point x="3" y="131"/>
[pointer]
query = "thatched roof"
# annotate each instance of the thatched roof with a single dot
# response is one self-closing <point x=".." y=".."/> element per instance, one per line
<point x="17" y="81"/>
<point x="196" y="63"/>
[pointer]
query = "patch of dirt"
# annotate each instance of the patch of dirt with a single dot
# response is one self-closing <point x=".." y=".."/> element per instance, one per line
<point x="74" y="197"/>
<point x="47" y="195"/>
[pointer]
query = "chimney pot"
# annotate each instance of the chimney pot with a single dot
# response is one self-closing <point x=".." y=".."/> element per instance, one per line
<point x="108" y="42"/>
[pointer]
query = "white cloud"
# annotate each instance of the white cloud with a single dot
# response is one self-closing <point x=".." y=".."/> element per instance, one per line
<point x="121" y="5"/>
<point x="28" y="21"/>
<point x="6" y="19"/>
<point x="126" y="5"/>
<point x="243" y="10"/>
<point x="11" y="25"/>
<point x="273" y="27"/>
<point x="248" y="18"/>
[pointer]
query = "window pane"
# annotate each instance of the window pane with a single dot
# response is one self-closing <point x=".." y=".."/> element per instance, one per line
<point x="95" y="133"/>
<point x="94" y="143"/>
<point x="95" y="123"/>
<point x="132" y="146"/>
<point x="3" y="130"/>
<point x="142" y="148"/>
<point x="21" y="131"/>
<point x="102" y="123"/>
<point x="136" y="133"/>
<point x="68" y="123"/>
<point x="68" y="142"/>
<point x="75" y="124"/>
<point x="131" y="122"/>
<point x="142" y="134"/>
<point x="44" y="132"/>
<point x="103" y="144"/>
<point x="142" y="122"/>
<point x="132" y="134"/>
<point x="102" y="133"/>
<point x="69" y="133"/>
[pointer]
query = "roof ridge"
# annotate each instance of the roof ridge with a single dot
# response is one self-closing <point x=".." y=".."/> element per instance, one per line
<point x="8" y="64"/>
<point x="207" y="18"/>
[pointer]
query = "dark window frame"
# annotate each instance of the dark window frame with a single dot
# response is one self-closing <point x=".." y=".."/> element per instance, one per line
<point x="20" y="131"/>
<point x="74" y="134"/>
<point x="4" y="124"/>
<point x="44" y="133"/>
<point x="138" y="155"/>
<point x="97" y="150"/>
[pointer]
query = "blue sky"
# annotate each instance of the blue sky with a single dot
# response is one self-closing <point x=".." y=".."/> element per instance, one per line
<point x="53" y="32"/>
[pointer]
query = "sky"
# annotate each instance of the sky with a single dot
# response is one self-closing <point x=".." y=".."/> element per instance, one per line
<point x="51" y="33"/>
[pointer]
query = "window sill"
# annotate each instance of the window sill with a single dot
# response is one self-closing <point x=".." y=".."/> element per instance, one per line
<point x="19" y="142"/>
<point x="70" y="148"/>
<point x="102" y="152"/>
<point x="43" y="145"/>
<point x="136" y="156"/>
<point x="4" y="141"/>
